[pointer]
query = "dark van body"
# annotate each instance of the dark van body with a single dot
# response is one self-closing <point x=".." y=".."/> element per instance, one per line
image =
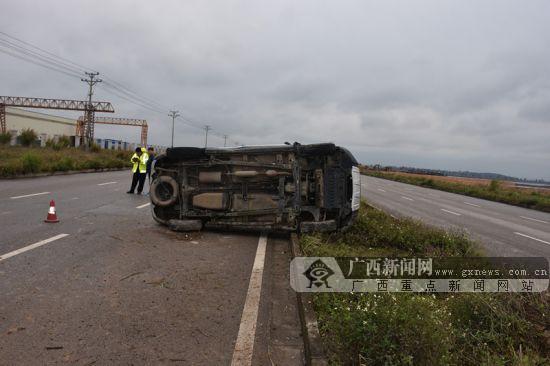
<point x="283" y="187"/>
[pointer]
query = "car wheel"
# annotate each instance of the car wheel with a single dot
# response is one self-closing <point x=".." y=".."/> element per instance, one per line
<point x="164" y="191"/>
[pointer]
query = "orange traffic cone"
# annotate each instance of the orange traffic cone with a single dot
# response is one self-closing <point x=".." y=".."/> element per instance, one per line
<point x="52" y="216"/>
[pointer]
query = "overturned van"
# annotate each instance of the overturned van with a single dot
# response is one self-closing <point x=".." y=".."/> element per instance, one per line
<point x="284" y="188"/>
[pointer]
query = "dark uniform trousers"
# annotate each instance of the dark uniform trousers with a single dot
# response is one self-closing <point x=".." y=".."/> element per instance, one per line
<point x="138" y="178"/>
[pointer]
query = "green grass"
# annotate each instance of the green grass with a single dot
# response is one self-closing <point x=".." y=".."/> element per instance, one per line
<point x="493" y="192"/>
<point x="423" y="329"/>
<point x="17" y="160"/>
<point x="5" y="138"/>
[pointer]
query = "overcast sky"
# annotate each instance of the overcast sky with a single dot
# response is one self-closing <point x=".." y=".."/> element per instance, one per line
<point x="461" y="85"/>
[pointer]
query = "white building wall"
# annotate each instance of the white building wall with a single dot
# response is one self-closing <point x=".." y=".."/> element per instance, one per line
<point x="47" y="126"/>
<point x="43" y="124"/>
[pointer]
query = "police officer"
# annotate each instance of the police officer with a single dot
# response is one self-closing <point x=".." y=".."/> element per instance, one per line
<point x="139" y="168"/>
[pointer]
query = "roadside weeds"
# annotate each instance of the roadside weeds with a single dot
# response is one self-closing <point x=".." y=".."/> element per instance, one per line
<point x="493" y="192"/>
<point x="419" y="329"/>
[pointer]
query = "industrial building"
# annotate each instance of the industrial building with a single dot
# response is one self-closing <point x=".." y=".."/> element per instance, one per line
<point x="48" y="126"/>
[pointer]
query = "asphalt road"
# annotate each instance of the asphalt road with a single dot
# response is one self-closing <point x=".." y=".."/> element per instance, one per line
<point x="118" y="288"/>
<point x="502" y="230"/>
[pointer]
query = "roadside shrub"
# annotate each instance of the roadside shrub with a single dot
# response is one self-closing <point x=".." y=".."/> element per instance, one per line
<point x="11" y="168"/>
<point x="494" y="191"/>
<point x="95" y="148"/>
<point x="376" y="229"/>
<point x="93" y="164"/>
<point x="419" y="328"/>
<point x="31" y="162"/>
<point x="50" y="143"/>
<point x="28" y="137"/>
<point x="427" y="182"/>
<point x="114" y="163"/>
<point x="64" y="164"/>
<point x="385" y="329"/>
<point x="494" y="185"/>
<point x="17" y="160"/>
<point x="122" y="155"/>
<point x="64" y="142"/>
<point x="502" y="328"/>
<point x="5" y="138"/>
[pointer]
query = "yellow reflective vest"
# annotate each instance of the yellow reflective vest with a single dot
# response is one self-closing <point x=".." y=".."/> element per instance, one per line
<point x="140" y="162"/>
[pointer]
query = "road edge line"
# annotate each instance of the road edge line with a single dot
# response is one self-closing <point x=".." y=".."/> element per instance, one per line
<point x="531" y="237"/>
<point x="244" y="346"/>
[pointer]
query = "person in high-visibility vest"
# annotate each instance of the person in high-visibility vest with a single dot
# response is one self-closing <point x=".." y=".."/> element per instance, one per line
<point x="139" y="168"/>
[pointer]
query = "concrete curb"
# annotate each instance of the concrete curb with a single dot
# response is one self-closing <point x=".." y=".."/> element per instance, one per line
<point x="313" y="345"/>
<point x="70" y="172"/>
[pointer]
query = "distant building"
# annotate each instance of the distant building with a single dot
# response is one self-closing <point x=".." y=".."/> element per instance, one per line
<point x="46" y="126"/>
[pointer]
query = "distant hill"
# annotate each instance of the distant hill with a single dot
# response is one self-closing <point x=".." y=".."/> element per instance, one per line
<point x="453" y="173"/>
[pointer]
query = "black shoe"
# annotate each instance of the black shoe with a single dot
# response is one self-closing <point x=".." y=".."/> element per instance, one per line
<point x="130" y="192"/>
<point x="139" y="193"/>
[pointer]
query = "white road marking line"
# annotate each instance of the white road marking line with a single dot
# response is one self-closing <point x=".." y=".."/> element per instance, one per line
<point x="144" y="205"/>
<point x="530" y="218"/>
<point x="5" y="213"/>
<point x="530" y="237"/>
<point x="407" y="198"/>
<point x="381" y="190"/>
<point x="74" y="198"/>
<point x="471" y="204"/>
<point x="32" y="246"/>
<point x="104" y="184"/>
<point x="29" y="195"/>
<point x="244" y="346"/>
<point x="451" y="212"/>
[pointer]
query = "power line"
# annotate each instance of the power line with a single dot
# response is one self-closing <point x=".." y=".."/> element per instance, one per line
<point x="130" y="92"/>
<point x="41" y="57"/>
<point x="39" y="63"/>
<point x="113" y="92"/>
<point x="133" y="96"/>
<point x="51" y="61"/>
<point x="79" y="69"/>
<point x="48" y="53"/>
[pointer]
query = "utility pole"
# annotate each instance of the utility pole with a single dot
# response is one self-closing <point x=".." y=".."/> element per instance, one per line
<point x="88" y="137"/>
<point x="225" y="140"/>
<point x="174" y="115"/>
<point x="206" y="128"/>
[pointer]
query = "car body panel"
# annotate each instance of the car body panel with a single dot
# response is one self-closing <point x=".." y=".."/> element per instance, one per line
<point x="273" y="187"/>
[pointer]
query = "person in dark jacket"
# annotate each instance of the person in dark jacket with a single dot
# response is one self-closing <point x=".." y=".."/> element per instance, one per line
<point x="151" y="153"/>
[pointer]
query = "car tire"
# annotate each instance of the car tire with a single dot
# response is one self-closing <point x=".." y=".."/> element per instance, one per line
<point x="158" y="191"/>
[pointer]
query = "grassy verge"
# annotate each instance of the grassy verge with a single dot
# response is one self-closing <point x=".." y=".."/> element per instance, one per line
<point x="424" y="329"/>
<point x="494" y="191"/>
<point x="18" y="161"/>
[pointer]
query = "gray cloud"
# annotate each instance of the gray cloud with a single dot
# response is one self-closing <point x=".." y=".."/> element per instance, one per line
<point x="443" y="84"/>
